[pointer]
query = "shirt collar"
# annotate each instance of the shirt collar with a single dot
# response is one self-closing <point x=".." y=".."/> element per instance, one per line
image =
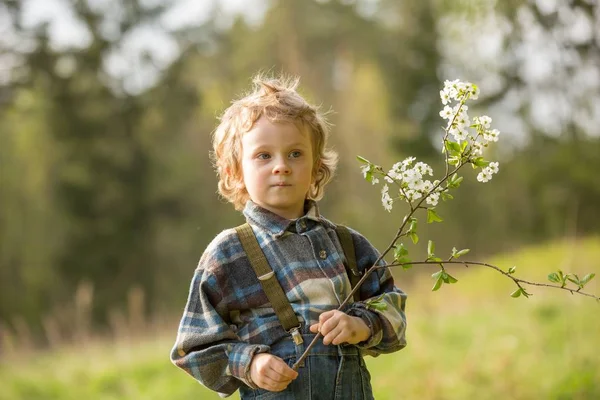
<point x="277" y="226"/>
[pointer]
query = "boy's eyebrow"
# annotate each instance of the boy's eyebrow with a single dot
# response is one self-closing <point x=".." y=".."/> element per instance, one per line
<point x="267" y="145"/>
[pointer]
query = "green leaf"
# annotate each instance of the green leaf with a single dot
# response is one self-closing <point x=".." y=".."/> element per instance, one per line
<point x="463" y="145"/>
<point x="362" y="160"/>
<point x="455" y="181"/>
<point x="480" y="162"/>
<point x="450" y="279"/>
<point x="437" y="274"/>
<point x="512" y="270"/>
<point x="446" y="196"/>
<point x="462" y="252"/>
<point x="574" y="279"/>
<point x="430" y="248"/>
<point x="433" y="216"/>
<point x="438" y="284"/>
<point x="553" y="277"/>
<point x="516" y="293"/>
<point x="405" y="261"/>
<point x="400" y="251"/>
<point x="414" y="237"/>
<point x="413" y="225"/>
<point x="563" y="278"/>
<point x="453" y="160"/>
<point x="376" y="303"/>
<point x="445" y="277"/>
<point x="453" y="148"/>
<point x="587" y="278"/>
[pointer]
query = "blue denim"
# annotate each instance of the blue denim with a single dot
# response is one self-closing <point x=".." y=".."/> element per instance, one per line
<point x="328" y="373"/>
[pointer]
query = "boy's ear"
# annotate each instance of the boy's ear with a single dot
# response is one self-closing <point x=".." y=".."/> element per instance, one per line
<point x="238" y="181"/>
<point x="315" y="171"/>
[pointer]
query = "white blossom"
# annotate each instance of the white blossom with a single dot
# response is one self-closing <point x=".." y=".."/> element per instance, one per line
<point x="487" y="172"/>
<point x="425" y="186"/>
<point x="433" y="199"/>
<point x="484" y="175"/>
<point x="386" y="200"/>
<point x="398" y="167"/>
<point x="473" y="90"/>
<point x="483" y="120"/>
<point x="491" y="136"/>
<point x="459" y="133"/>
<point x="374" y="180"/>
<point x="365" y="169"/>
<point x="412" y="194"/>
<point x="463" y="120"/>
<point x="477" y="148"/>
<point x="447" y="112"/>
<point x="411" y="177"/>
<point x="423" y="168"/>
<point x="460" y="109"/>
<point x="445" y="96"/>
<point x="451" y="88"/>
<point x="407" y="161"/>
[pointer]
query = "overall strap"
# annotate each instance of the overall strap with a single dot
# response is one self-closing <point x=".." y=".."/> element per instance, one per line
<point x="268" y="280"/>
<point x="348" y="246"/>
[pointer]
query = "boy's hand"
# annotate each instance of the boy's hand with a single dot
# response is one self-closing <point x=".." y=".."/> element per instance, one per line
<point x="338" y="327"/>
<point x="270" y="372"/>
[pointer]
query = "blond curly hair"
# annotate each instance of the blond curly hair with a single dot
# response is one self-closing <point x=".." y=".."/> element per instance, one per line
<point x="277" y="100"/>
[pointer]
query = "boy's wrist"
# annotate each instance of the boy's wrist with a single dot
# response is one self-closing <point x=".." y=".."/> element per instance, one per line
<point x="371" y="319"/>
<point x="364" y="330"/>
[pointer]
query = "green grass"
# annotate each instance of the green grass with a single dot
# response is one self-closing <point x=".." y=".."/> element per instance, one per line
<point x="469" y="340"/>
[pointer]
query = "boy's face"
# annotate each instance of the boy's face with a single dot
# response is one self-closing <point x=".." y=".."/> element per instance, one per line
<point x="277" y="166"/>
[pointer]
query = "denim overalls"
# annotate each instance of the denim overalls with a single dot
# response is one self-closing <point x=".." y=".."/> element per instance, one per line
<point x="329" y="372"/>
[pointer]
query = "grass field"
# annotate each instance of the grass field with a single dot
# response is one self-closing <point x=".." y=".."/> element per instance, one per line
<point x="470" y="340"/>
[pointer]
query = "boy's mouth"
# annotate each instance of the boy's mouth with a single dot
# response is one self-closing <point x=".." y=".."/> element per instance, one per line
<point x="282" y="184"/>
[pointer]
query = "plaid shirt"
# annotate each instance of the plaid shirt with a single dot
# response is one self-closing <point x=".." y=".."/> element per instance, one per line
<point x="228" y="318"/>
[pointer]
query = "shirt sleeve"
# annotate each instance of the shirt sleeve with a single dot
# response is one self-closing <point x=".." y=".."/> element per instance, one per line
<point x="207" y="347"/>
<point x="388" y="327"/>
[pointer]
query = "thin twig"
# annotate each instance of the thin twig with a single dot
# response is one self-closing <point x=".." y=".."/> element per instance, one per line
<point x="517" y="281"/>
<point x="372" y="268"/>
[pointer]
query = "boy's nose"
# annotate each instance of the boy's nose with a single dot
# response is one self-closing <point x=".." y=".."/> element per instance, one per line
<point x="281" y="168"/>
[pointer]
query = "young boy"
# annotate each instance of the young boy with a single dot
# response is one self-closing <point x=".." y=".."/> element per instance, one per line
<point x="272" y="161"/>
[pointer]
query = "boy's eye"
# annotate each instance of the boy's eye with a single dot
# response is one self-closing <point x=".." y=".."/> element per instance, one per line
<point x="263" y="156"/>
<point x="295" y="154"/>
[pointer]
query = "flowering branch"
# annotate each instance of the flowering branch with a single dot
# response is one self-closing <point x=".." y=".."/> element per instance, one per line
<point x="519" y="282"/>
<point x="466" y="147"/>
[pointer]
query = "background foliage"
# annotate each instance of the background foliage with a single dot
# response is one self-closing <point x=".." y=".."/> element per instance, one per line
<point x="107" y="195"/>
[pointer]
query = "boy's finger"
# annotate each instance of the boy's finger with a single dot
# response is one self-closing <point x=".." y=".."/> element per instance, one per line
<point x="267" y="382"/>
<point x="314" y="328"/>
<point x="324" y="317"/>
<point x="283" y="371"/>
<point x="330" y="336"/>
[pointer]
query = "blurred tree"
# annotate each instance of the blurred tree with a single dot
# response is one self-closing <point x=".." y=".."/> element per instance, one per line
<point x="538" y="68"/>
<point x="104" y="170"/>
<point x="102" y="183"/>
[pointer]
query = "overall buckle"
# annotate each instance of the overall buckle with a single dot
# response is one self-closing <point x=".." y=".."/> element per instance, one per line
<point x="296" y="335"/>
